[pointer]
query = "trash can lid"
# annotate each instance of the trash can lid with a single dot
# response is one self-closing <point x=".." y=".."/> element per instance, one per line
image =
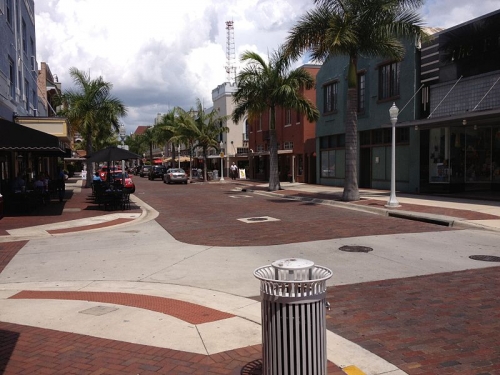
<point x="292" y="264"/>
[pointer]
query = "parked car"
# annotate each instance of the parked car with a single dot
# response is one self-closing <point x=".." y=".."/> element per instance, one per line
<point x="157" y="172"/>
<point x="129" y="184"/>
<point x="103" y="172"/>
<point x="133" y="170"/>
<point x="144" y="170"/>
<point x="136" y="170"/>
<point x="175" y="175"/>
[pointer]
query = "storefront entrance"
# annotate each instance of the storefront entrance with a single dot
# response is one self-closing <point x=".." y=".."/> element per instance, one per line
<point x="462" y="159"/>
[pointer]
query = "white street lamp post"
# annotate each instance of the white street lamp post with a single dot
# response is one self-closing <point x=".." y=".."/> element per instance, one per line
<point x="221" y="162"/>
<point x="393" y="113"/>
<point x="122" y="137"/>
<point x="179" y="155"/>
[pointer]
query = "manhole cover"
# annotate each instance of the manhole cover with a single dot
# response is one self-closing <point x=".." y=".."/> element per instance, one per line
<point x="485" y="258"/>
<point x="98" y="310"/>
<point x="356" y="249"/>
<point x="252" y="368"/>
<point x="259" y="219"/>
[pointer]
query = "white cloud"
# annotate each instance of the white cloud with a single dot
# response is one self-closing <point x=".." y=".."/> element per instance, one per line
<point x="161" y="54"/>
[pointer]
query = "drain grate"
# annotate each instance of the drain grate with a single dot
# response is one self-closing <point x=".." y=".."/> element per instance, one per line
<point x="98" y="310"/>
<point x="356" y="249"/>
<point x="485" y="258"/>
<point x="258" y="219"/>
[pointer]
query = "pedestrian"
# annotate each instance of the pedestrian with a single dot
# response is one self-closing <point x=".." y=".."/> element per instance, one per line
<point x="234" y="171"/>
<point x="41" y="187"/>
<point x="19" y="183"/>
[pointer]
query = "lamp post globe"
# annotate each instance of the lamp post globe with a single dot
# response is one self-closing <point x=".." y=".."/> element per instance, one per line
<point x="393" y="114"/>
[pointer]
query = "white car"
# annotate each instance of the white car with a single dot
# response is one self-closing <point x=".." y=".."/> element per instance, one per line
<point x="175" y="175"/>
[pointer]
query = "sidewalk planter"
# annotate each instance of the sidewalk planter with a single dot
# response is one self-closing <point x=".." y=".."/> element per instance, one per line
<point x="293" y="293"/>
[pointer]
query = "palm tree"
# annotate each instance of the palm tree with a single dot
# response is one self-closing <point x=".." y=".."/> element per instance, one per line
<point x="354" y="28"/>
<point x="166" y="129"/>
<point x="264" y="86"/>
<point x="183" y="128"/>
<point x="92" y="111"/>
<point x="200" y="129"/>
<point x="148" y="139"/>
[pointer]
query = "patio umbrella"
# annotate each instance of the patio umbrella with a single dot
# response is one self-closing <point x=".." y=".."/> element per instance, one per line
<point x="112" y="153"/>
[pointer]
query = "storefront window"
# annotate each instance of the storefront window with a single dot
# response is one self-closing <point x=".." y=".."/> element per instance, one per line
<point x="478" y="155"/>
<point x="464" y="155"/>
<point x="439" y="154"/>
<point x="495" y="165"/>
<point x="328" y="163"/>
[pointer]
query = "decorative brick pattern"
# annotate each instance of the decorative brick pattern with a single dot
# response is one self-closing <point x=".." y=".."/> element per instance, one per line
<point x="8" y="250"/>
<point x="189" y="312"/>
<point x="88" y="227"/>
<point x="30" y="350"/>
<point x="439" y="324"/>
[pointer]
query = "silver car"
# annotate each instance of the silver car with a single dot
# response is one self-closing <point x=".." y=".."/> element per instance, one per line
<point x="175" y="175"/>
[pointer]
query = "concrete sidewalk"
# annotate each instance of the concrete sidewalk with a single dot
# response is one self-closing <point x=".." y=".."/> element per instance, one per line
<point x="194" y="329"/>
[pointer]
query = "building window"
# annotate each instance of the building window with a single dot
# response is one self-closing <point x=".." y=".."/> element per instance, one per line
<point x="35" y="102"/>
<point x="288" y="117"/>
<point x="330" y="92"/>
<point x="297" y="119"/>
<point x="288" y="146"/>
<point x="26" y="95"/>
<point x="23" y="31"/>
<point x="32" y="59"/>
<point x="260" y="148"/>
<point x="8" y="10"/>
<point x="12" y="78"/>
<point x="332" y="141"/>
<point x="361" y="92"/>
<point x="388" y="82"/>
<point x="328" y="163"/>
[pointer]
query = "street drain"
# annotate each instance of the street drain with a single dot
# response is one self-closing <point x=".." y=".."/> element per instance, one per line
<point x="98" y="310"/>
<point x="356" y="249"/>
<point x="258" y="219"/>
<point x="485" y="258"/>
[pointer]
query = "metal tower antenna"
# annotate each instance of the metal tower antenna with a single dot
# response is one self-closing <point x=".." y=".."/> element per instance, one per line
<point x="230" y="68"/>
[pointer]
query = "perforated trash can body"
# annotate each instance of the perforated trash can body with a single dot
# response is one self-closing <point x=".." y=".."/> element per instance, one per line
<point x="293" y="295"/>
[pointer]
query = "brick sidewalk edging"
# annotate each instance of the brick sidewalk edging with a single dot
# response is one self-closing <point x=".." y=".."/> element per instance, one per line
<point x="189" y="312"/>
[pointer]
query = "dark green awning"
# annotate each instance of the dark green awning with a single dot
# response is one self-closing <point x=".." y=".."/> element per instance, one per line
<point x="15" y="137"/>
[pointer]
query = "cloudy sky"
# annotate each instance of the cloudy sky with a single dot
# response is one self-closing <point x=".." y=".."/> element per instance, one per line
<point x="163" y="53"/>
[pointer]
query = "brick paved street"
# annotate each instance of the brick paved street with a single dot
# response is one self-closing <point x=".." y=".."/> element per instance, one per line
<point x="446" y="323"/>
<point x="207" y="214"/>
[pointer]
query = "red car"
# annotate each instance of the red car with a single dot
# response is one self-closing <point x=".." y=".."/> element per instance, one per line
<point x="103" y="172"/>
<point x="129" y="184"/>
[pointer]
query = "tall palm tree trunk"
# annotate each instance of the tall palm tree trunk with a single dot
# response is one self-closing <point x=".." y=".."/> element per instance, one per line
<point x="351" y="192"/>
<point x="274" y="180"/>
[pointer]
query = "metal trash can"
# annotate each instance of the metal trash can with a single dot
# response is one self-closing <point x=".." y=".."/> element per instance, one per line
<point x="293" y="295"/>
